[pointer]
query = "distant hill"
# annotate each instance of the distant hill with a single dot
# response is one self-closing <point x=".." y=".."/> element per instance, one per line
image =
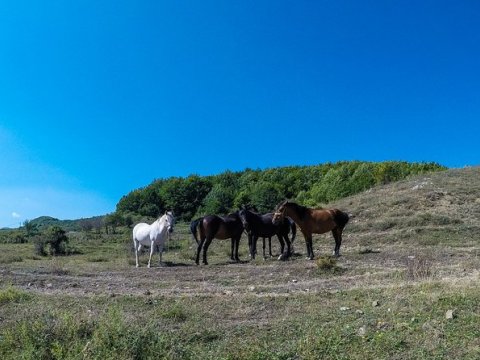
<point x="68" y="225"/>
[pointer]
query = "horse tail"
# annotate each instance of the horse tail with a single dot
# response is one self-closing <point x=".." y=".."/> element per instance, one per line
<point x="194" y="228"/>
<point x="293" y="226"/>
<point x="341" y="218"/>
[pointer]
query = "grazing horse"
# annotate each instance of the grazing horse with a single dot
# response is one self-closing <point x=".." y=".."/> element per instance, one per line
<point x="258" y="225"/>
<point x="313" y="221"/>
<point x="153" y="235"/>
<point x="219" y="227"/>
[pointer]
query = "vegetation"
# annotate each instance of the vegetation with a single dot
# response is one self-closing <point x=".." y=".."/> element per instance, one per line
<point x="54" y="239"/>
<point x="410" y="257"/>
<point x="223" y="193"/>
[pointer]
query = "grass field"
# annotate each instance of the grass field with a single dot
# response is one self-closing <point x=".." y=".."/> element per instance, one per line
<point x="410" y="255"/>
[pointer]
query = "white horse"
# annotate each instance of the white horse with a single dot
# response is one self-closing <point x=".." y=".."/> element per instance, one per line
<point x="153" y="235"/>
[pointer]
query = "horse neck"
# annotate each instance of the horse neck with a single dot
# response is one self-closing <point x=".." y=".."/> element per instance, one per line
<point x="161" y="224"/>
<point x="293" y="214"/>
<point x="254" y="218"/>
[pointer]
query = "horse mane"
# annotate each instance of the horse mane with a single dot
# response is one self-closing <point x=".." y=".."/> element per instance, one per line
<point x="299" y="209"/>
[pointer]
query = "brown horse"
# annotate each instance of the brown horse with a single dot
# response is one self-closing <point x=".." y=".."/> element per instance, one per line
<point x="314" y="221"/>
<point x="219" y="227"/>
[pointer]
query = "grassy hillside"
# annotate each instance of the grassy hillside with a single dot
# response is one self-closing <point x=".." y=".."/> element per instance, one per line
<point x="435" y="209"/>
<point x="405" y="287"/>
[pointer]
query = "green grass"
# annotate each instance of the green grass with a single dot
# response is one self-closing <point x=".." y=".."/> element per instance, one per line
<point x="410" y="324"/>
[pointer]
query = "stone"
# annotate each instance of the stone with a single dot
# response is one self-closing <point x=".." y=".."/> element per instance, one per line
<point x="362" y="331"/>
<point x="449" y="314"/>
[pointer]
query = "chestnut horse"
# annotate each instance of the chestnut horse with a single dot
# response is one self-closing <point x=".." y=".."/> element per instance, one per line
<point x="219" y="227"/>
<point x="313" y="221"/>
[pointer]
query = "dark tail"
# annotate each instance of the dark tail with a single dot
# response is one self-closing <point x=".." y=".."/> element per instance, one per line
<point x="341" y="218"/>
<point x="194" y="227"/>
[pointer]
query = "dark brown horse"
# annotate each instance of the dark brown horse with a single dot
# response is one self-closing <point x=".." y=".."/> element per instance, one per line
<point x="257" y="225"/>
<point x="314" y="221"/>
<point x="219" y="227"/>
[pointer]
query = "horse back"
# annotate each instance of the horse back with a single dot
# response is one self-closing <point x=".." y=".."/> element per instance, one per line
<point x="222" y="227"/>
<point x="141" y="232"/>
<point x="328" y="219"/>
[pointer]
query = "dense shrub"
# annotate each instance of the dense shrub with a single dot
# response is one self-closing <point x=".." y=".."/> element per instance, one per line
<point x="226" y="192"/>
<point x="52" y="242"/>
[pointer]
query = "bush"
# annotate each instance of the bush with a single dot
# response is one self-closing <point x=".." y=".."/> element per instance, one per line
<point x="328" y="264"/>
<point x="52" y="242"/>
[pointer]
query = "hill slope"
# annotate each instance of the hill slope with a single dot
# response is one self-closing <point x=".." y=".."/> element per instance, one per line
<point x="437" y="208"/>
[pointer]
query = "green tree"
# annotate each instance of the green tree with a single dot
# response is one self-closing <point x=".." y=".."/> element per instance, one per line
<point x="218" y="201"/>
<point x="265" y="196"/>
<point x="31" y="229"/>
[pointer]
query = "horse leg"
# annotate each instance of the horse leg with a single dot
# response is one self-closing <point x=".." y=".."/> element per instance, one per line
<point x="263" y="243"/>
<point x="232" y="249"/>
<point x="337" y="235"/>
<point x="288" y="252"/>
<point x="237" y="244"/>
<point x="208" y="241"/>
<point x="282" y="243"/>
<point x="137" y="247"/>
<point x="310" y="247"/>
<point x="152" y="249"/>
<point x="199" y="249"/>
<point x="308" y="243"/>
<point x="270" y="246"/>
<point x="249" y="244"/>
<point x="254" y="246"/>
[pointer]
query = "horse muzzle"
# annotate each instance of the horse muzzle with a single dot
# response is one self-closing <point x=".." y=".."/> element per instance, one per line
<point x="170" y="229"/>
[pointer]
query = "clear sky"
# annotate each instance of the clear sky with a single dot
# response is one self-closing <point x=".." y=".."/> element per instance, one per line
<point x="98" y="98"/>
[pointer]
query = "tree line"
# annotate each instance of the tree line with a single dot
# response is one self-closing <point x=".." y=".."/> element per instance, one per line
<point x="196" y="195"/>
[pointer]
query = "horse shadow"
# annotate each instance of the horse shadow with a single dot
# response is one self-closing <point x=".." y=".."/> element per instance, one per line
<point x="175" y="264"/>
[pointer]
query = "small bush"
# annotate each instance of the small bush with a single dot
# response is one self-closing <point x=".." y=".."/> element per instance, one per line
<point x="12" y="294"/>
<point x="52" y="242"/>
<point x="328" y="264"/>
<point x="419" y="267"/>
<point x="175" y="312"/>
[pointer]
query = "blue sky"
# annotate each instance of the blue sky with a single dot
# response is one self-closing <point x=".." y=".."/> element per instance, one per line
<point x="100" y="98"/>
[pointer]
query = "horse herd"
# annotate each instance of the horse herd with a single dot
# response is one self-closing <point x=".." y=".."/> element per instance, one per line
<point x="283" y="221"/>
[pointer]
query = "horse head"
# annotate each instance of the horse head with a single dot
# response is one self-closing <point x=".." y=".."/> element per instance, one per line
<point x="243" y="214"/>
<point x="279" y="213"/>
<point x="169" y="221"/>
